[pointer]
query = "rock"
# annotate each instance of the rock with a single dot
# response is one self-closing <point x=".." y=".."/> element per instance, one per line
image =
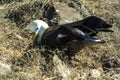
<point x="61" y="68"/>
<point x="67" y="13"/>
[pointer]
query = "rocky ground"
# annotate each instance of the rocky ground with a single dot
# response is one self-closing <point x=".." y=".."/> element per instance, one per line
<point x="20" y="61"/>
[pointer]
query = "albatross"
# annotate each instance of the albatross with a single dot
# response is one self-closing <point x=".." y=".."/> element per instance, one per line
<point x="83" y="30"/>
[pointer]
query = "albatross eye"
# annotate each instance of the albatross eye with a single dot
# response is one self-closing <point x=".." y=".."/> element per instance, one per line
<point x="36" y="29"/>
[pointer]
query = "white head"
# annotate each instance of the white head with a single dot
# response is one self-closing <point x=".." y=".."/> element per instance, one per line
<point x="38" y="27"/>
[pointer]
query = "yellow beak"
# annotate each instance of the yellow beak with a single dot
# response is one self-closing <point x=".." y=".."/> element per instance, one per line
<point x="34" y="37"/>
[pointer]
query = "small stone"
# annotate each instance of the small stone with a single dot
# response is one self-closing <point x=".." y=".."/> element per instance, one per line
<point x="95" y="73"/>
<point x="116" y="77"/>
<point x="19" y="37"/>
<point x="4" y="68"/>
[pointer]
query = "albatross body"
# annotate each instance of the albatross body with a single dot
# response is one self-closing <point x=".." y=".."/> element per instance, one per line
<point x="83" y="30"/>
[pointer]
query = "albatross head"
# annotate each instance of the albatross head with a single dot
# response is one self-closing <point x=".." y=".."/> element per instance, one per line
<point x="38" y="27"/>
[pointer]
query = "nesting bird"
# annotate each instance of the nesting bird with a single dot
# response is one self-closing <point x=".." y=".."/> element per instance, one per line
<point x="83" y="30"/>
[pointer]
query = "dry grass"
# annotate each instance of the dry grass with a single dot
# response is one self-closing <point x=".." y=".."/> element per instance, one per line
<point x="9" y="1"/>
<point x="40" y="64"/>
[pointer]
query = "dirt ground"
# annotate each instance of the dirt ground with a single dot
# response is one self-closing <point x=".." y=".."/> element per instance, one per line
<point x="20" y="61"/>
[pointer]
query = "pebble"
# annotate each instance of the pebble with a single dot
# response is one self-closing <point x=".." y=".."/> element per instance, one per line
<point x="95" y="73"/>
